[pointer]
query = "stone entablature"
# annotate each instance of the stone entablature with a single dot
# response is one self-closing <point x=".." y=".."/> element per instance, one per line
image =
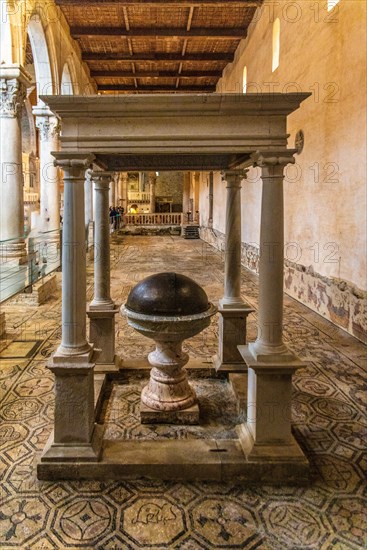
<point x="181" y="132"/>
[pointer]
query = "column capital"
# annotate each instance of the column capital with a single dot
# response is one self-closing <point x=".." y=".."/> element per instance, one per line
<point x="88" y="174"/>
<point x="73" y="162"/>
<point x="233" y="177"/>
<point x="49" y="126"/>
<point x="14" y="81"/>
<point x="101" y="179"/>
<point x="267" y="159"/>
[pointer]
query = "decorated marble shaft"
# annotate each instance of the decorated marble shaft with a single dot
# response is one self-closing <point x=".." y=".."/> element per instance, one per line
<point x="168" y="307"/>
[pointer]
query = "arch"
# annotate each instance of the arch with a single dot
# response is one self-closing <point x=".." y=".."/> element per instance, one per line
<point x="29" y="139"/>
<point x="6" y="42"/>
<point x="276" y="44"/>
<point x="67" y="83"/>
<point x="244" y="80"/>
<point x="10" y="33"/>
<point x="40" y="51"/>
<point x="331" y="4"/>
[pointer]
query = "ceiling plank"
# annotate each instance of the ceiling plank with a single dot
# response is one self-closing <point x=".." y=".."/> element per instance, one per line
<point x="152" y="88"/>
<point x="111" y="56"/>
<point x="163" y="3"/>
<point x="157" y="73"/>
<point x="169" y="32"/>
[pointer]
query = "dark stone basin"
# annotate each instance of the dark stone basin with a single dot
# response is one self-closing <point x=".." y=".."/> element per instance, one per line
<point x="167" y="294"/>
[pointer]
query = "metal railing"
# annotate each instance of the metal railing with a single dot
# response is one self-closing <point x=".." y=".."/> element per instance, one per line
<point x="154" y="219"/>
<point x="43" y="256"/>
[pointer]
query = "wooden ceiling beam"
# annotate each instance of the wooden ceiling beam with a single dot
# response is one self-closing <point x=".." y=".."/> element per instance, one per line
<point x="207" y="32"/>
<point x="145" y="88"/>
<point x="163" y="3"/>
<point x="221" y="56"/>
<point x="156" y="74"/>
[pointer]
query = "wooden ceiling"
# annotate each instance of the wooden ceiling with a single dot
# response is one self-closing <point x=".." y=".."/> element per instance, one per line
<point x="147" y="46"/>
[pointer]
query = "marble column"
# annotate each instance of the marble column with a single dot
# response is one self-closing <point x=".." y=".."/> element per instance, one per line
<point x="119" y="189"/>
<point x="13" y="82"/>
<point x="124" y="179"/>
<point x="88" y="208"/>
<point x="76" y="437"/>
<point x="233" y="311"/>
<point x="267" y="431"/>
<point x="141" y="182"/>
<point x="211" y="197"/>
<point x="186" y="206"/>
<point x="49" y="129"/>
<point x="112" y="191"/>
<point x="196" y="197"/>
<point x="102" y="309"/>
<point x="152" y="186"/>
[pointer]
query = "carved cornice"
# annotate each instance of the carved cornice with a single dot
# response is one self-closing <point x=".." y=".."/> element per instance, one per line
<point x="49" y="127"/>
<point x="12" y="96"/>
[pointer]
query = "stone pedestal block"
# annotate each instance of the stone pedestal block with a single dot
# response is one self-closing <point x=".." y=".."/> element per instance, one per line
<point x="75" y="436"/>
<point x="269" y="397"/>
<point x="102" y="335"/>
<point x="41" y="292"/>
<point x="232" y="333"/>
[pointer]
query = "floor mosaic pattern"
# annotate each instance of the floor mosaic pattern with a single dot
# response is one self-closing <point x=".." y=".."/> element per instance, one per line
<point x="329" y="423"/>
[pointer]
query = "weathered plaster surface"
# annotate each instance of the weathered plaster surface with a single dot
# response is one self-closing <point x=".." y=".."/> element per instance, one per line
<point x="340" y="302"/>
<point x="325" y="192"/>
<point x="169" y="185"/>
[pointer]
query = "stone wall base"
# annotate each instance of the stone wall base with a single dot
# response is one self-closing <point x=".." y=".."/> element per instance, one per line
<point x="41" y="291"/>
<point x="151" y="230"/>
<point x="334" y="299"/>
<point x="2" y="325"/>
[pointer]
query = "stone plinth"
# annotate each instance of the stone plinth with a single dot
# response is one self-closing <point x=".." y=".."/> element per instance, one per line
<point x="267" y="435"/>
<point x="41" y="292"/>
<point x="232" y="332"/>
<point x="190" y="415"/>
<point x="102" y="335"/>
<point x="76" y="437"/>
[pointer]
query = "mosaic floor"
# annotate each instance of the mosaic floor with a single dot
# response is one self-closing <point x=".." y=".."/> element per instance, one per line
<point x="329" y="423"/>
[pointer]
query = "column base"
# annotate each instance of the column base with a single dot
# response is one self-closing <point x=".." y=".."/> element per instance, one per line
<point x="232" y="333"/>
<point x="102" y="334"/>
<point x="14" y="253"/>
<point x="104" y="368"/>
<point x="289" y="457"/>
<point x="189" y="416"/>
<point x="269" y="361"/>
<point x="56" y="452"/>
<point x="270" y="354"/>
